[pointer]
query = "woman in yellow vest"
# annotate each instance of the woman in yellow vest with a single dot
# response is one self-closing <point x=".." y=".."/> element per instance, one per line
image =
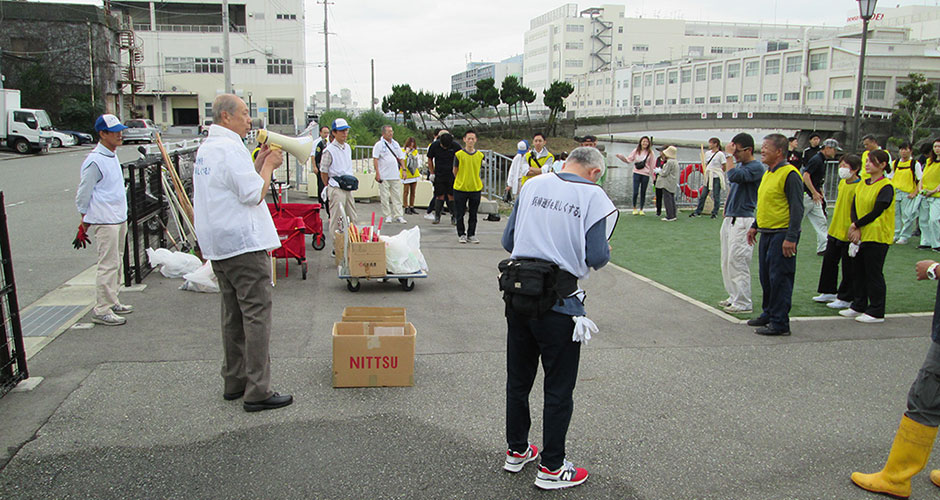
<point x="410" y="173"/>
<point x="872" y="229"/>
<point x="930" y="201"/>
<point x="906" y="175"/>
<point x="837" y="244"/>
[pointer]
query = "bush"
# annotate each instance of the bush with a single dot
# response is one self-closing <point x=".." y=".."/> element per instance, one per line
<point x="365" y="129"/>
<point x="78" y="112"/>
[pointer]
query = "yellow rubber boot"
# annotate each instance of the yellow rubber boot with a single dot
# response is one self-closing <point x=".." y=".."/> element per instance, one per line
<point x="935" y="477"/>
<point x="908" y="456"/>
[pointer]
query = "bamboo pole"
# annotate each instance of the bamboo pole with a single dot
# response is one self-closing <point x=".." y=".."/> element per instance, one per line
<point x="181" y="195"/>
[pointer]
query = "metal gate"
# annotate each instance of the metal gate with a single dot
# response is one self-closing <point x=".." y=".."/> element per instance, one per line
<point x="12" y="353"/>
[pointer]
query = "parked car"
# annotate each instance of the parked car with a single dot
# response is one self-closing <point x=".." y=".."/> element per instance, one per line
<point x="204" y="128"/>
<point x="80" y="137"/>
<point x="139" y="130"/>
<point x="60" y="139"/>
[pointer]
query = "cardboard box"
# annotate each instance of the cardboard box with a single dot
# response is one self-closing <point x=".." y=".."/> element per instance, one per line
<point x="380" y="354"/>
<point x="366" y="260"/>
<point x="374" y="314"/>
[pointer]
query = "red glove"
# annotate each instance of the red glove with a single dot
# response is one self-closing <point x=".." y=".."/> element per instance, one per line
<point x="81" y="239"/>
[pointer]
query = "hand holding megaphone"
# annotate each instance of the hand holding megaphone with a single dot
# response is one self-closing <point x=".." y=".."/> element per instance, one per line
<point x="300" y="147"/>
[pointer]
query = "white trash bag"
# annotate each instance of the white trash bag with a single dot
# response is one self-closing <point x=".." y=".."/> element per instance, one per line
<point x="403" y="252"/>
<point x="201" y="280"/>
<point x="173" y="264"/>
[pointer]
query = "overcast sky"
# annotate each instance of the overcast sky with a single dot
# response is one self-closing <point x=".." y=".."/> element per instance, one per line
<point x="424" y="42"/>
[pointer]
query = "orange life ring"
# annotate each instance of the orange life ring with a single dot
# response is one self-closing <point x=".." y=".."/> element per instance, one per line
<point x="684" y="180"/>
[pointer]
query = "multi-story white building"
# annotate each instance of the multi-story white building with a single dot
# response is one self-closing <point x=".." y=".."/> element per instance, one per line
<point x="465" y="82"/>
<point x="566" y="42"/>
<point x="817" y="77"/>
<point x="180" y="62"/>
<point x="922" y="21"/>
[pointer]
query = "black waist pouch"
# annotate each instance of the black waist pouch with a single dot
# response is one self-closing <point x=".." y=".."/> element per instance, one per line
<point x="531" y="286"/>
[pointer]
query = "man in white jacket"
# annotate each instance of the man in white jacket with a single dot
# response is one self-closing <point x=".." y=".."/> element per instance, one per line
<point x="517" y="169"/>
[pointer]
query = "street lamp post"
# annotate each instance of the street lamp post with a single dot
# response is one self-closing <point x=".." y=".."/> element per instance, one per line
<point x="866" y="10"/>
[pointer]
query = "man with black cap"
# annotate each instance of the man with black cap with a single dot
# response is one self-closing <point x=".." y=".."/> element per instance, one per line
<point x="102" y="203"/>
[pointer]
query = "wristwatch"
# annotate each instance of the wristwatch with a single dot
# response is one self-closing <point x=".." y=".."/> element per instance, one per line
<point x="932" y="271"/>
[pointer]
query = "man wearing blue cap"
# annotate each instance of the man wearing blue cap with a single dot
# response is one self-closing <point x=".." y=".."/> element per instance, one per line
<point x="337" y="162"/>
<point x="102" y="202"/>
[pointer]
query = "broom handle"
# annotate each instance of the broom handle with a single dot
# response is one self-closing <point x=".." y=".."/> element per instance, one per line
<point x="181" y="195"/>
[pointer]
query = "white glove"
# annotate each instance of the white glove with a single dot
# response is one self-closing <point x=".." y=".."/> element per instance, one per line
<point x="431" y="177"/>
<point x="323" y="193"/>
<point x="583" y="328"/>
<point x="853" y="249"/>
<point x="658" y="170"/>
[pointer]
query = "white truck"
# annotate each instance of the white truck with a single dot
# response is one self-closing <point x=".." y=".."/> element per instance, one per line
<point x="21" y="129"/>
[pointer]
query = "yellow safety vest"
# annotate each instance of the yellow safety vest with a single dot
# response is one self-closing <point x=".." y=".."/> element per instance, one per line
<point x="468" y="171"/>
<point x="904" y="176"/>
<point x="773" y="210"/>
<point x="842" y="213"/>
<point x="880" y="230"/>
<point x="532" y="161"/>
<point x="932" y="177"/>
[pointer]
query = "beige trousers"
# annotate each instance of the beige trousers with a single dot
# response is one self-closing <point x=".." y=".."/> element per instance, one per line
<point x="337" y="198"/>
<point x="390" y="193"/>
<point x="109" y="240"/>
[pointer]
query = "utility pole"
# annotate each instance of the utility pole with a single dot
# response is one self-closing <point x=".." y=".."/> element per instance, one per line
<point x="226" y="63"/>
<point x="1" y="67"/>
<point x="326" y="51"/>
<point x="91" y="67"/>
<point x="372" y="63"/>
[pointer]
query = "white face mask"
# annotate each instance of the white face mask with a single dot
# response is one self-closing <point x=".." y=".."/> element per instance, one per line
<point x="845" y="172"/>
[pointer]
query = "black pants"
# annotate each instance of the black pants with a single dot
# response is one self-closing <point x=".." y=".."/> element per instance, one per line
<point x="837" y="251"/>
<point x="548" y="337"/>
<point x="461" y="200"/>
<point x="640" y="183"/>
<point x="716" y="197"/>
<point x="323" y="203"/>
<point x="659" y="201"/>
<point x="669" y="201"/>
<point x="870" y="288"/>
<point x="777" y="274"/>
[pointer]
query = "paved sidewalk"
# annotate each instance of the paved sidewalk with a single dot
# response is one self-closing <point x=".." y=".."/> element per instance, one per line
<point x="672" y="401"/>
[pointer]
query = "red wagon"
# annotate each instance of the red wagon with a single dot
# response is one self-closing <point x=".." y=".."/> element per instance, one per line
<point x="290" y="230"/>
<point x="309" y="212"/>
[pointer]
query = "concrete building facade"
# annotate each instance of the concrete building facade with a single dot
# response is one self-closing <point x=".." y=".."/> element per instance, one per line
<point x="465" y="82"/>
<point x="180" y="67"/>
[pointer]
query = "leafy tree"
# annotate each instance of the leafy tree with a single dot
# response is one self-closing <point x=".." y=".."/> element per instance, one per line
<point x="554" y="98"/>
<point x="446" y="105"/>
<point x="487" y="95"/>
<point x="424" y="104"/>
<point x="510" y="93"/>
<point x="78" y="112"/>
<point x="916" y="111"/>
<point x="401" y="100"/>
<point x="527" y="96"/>
<point x="37" y="89"/>
<point x="465" y="107"/>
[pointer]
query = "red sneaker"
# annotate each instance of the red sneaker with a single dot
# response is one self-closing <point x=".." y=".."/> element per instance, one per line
<point x="516" y="461"/>
<point x="565" y="477"/>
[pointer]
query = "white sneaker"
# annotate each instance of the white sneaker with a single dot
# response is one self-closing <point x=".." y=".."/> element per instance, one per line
<point x="865" y="318"/>
<point x="388" y="220"/>
<point x="724" y="303"/>
<point x="901" y="241"/>
<point x="429" y="216"/>
<point x="109" y="319"/>
<point x="516" y="461"/>
<point x="122" y="309"/>
<point x="839" y="304"/>
<point x="738" y="309"/>
<point x="401" y="220"/>
<point x="825" y="297"/>
<point x="473" y="239"/>
<point x="850" y="313"/>
<point x="462" y="239"/>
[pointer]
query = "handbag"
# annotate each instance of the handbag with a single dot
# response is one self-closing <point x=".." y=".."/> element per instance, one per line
<point x="347" y="182"/>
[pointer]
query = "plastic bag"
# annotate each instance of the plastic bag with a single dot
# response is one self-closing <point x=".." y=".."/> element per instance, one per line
<point x="201" y="280"/>
<point x="173" y="264"/>
<point x="403" y="252"/>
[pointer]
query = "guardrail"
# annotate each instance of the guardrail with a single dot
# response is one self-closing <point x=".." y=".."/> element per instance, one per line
<point x="12" y="351"/>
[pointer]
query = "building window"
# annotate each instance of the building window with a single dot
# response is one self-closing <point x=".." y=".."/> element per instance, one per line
<point x="673" y="76"/>
<point x="292" y="17"/>
<point x="750" y="97"/>
<point x="626" y="84"/>
<point x="751" y="68"/>
<point x="641" y="48"/>
<point x="574" y="28"/>
<point x="281" y="111"/>
<point x="685" y="75"/>
<point x="731" y="98"/>
<point x="590" y="83"/>
<point x="683" y="100"/>
<point x="700" y="74"/>
<point x="660" y="78"/>
<point x="636" y="100"/>
<point x="696" y="51"/>
<point x="818" y="61"/>
<point x="770" y="98"/>
<point x="648" y="80"/>
<point x="791" y="96"/>
<point x="572" y="46"/>
<point x="590" y="103"/>
<point x="699" y="100"/>
<point x="619" y="29"/>
<point x="716" y="72"/>
<point x="636" y="81"/>
<point x="180" y="64"/>
<point x="774" y="45"/>
<point x="647" y="102"/>
<point x="249" y="60"/>
<point x="714" y="99"/>
<point x="659" y="102"/>
<point x="794" y="64"/>
<point x="772" y="67"/>
<point x="874" y="90"/>
<point x="815" y="95"/>
<point x="619" y="46"/>
<point x="254" y="110"/>
<point x="208" y="65"/>
<point x="670" y="101"/>
<point x="208" y="107"/>
<point x="280" y="67"/>
<point x="734" y="70"/>
<point x="842" y="94"/>
<point x="573" y="63"/>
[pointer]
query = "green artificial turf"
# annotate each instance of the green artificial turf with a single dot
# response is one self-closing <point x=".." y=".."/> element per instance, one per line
<point x="685" y="256"/>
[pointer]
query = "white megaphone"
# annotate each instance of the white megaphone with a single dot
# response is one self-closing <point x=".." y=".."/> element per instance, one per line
<point x="300" y="147"/>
